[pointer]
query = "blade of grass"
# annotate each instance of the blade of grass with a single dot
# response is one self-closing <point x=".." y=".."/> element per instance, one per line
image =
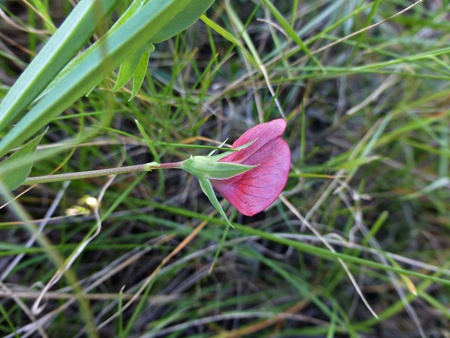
<point x="156" y="20"/>
<point x="57" y="52"/>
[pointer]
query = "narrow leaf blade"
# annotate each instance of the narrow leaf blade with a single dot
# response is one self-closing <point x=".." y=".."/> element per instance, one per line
<point x="209" y="192"/>
<point x="58" y="51"/>
<point x="139" y="74"/>
<point x="154" y="21"/>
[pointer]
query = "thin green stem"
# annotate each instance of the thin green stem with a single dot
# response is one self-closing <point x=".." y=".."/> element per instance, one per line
<point x="101" y="172"/>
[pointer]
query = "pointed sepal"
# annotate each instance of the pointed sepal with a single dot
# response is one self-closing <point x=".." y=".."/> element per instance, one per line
<point x="207" y="188"/>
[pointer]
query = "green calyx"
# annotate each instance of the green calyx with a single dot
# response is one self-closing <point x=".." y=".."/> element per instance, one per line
<point x="208" y="167"/>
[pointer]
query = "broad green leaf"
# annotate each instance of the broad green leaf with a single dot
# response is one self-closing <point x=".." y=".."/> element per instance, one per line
<point x="58" y="51"/>
<point x="129" y="67"/>
<point x="155" y="21"/>
<point x="131" y="10"/>
<point x="16" y="168"/>
<point x="139" y="74"/>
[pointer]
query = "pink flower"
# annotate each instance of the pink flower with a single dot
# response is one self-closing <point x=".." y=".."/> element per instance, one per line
<point x="254" y="190"/>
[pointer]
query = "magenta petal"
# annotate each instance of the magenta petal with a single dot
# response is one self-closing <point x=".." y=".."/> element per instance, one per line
<point x="263" y="133"/>
<point x="256" y="189"/>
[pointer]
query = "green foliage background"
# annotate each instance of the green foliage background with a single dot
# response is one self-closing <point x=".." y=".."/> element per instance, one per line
<point x="368" y="125"/>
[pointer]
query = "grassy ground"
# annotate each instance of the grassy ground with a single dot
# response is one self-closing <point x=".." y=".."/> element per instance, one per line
<point x="356" y="246"/>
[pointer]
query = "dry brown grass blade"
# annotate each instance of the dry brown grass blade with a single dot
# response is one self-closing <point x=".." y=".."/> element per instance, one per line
<point x="261" y="325"/>
<point x="149" y="279"/>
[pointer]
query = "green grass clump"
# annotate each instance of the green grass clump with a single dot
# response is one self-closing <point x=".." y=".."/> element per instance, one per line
<point x="362" y="227"/>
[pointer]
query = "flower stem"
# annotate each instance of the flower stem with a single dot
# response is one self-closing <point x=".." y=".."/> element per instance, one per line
<point x="102" y="172"/>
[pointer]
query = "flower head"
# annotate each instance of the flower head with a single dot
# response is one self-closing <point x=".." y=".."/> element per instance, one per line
<point x="255" y="189"/>
<point x="252" y="176"/>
